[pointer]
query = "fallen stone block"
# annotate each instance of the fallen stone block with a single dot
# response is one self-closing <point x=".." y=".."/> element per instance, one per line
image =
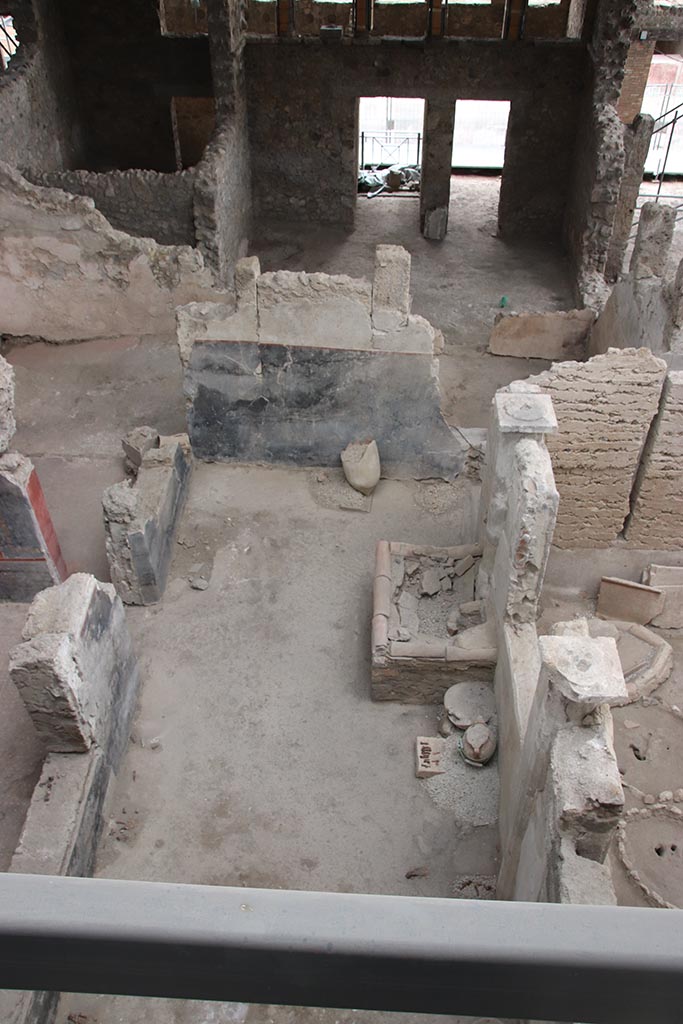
<point x="391" y="288"/>
<point x="30" y="557"/>
<point x="63" y="822"/>
<point x="140" y="520"/>
<point x="76" y="671"/>
<point x="631" y="602"/>
<point x="429" y="754"/>
<point x="136" y="443"/>
<point x="557" y="335"/>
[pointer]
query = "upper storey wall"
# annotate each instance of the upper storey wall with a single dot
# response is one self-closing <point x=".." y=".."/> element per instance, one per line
<point x="39" y="127"/>
<point x="302" y="110"/>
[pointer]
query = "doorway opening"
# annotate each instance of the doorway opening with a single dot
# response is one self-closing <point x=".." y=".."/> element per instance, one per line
<point x="390" y="145"/>
<point x="479" y="136"/>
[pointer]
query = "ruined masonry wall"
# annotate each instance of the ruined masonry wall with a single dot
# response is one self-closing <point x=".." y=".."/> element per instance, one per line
<point x="222" y="199"/>
<point x="656" y="519"/>
<point x="147" y="204"/>
<point x="604" y="409"/>
<point x="67" y="275"/>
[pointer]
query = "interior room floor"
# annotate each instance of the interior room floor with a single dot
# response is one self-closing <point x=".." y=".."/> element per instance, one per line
<point x="258" y="758"/>
<point x="457" y="284"/>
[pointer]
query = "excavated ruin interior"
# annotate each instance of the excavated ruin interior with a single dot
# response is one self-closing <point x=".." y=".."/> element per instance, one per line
<point x="242" y="645"/>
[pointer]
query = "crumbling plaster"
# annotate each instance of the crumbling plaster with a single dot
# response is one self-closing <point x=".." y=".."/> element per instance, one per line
<point x="66" y="274"/>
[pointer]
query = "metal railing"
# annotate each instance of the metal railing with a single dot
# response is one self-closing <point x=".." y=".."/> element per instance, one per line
<point x="608" y="965"/>
<point x="391" y="147"/>
<point x="8" y="41"/>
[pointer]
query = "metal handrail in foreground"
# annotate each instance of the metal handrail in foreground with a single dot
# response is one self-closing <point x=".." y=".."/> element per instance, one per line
<point x="497" y="959"/>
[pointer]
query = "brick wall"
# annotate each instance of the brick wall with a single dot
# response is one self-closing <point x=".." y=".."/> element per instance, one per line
<point x="635" y="79"/>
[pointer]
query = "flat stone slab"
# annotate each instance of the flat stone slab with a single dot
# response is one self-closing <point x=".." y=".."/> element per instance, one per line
<point x="556" y="335"/>
<point x="628" y="601"/>
<point x="646" y="658"/>
<point x="468" y="703"/>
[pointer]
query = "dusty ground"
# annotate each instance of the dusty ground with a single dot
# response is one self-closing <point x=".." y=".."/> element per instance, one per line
<point x="258" y="758"/>
<point x="457" y="284"/>
<point x="75" y="402"/>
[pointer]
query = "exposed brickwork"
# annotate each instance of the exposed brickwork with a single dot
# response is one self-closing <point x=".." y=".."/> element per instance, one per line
<point x="635" y="79"/>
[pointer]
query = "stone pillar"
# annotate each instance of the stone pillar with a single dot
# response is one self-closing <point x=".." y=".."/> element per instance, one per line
<point x="515" y="414"/>
<point x="636" y="143"/>
<point x="437" y="158"/>
<point x="579" y="676"/>
<point x="76" y="671"/>
<point x="524" y="543"/>
<point x="30" y="557"/>
<point x="653" y="241"/>
<point x="391" y="288"/>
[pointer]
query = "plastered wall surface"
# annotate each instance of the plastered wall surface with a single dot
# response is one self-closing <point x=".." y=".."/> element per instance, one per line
<point x="66" y="274"/>
<point x="304" y="147"/>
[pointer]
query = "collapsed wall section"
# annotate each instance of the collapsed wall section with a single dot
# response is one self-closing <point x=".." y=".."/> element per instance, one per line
<point x="67" y="275"/>
<point x="147" y="204"/>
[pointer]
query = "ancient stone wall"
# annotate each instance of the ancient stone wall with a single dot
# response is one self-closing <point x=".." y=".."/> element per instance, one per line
<point x="222" y="199"/>
<point x="563" y="800"/>
<point x="297" y="365"/>
<point x="592" y="207"/>
<point x="636" y="144"/>
<point x="304" y="151"/>
<point x="147" y="204"/>
<point x="39" y="125"/>
<point x="656" y="519"/>
<point x="66" y="274"/>
<point x="604" y="409"/>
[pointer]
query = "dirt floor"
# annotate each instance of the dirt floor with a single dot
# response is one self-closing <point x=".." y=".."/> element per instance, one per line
<point x="75" y="402"/>
<point x="458" y="284"/>
<point x="257" y="756"/>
